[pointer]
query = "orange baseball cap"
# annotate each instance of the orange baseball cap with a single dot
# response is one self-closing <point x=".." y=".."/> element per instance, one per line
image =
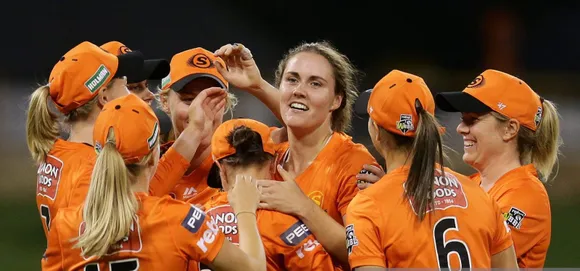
<point x="192" y="64"/>
<point x="135" y="126"/>
<point x="393" y="102"/>
<point x="82" y="71"/>
<point x="496" y="91"/>
<point x="153" y="69"/>
<point x="221" y="147"/>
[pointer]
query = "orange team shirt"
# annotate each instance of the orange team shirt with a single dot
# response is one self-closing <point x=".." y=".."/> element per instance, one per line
<point x="193" y="188"/>
<point x="58" y="176"/>
<point x="63" y="179"/>
<point x="465" y="229"/>
<point x="288" y="243"/>
<point x="165" y="235"/>
<point x="525" y="205"/>
<point x="330" y="180"/>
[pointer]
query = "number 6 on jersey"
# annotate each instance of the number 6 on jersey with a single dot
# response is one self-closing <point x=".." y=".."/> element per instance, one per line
<point x="445" y="248"/>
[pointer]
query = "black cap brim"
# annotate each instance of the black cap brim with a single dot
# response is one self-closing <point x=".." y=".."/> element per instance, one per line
<point x="361" y="104"/>
<point x="130" y="65"/>
<point x="153" y="69"/>
<point x="178" y="86"/>
<point x="459" y="102"/>
<point x="213" y="177"/>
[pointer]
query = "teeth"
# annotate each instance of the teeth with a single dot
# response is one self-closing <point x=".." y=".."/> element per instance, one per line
<point x="298" y="106"/>
<point x="467" y="144"/>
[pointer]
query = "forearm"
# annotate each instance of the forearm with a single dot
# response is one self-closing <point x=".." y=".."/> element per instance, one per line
<point x="187" y="143"/>
<point x="328" y="232"/>
<point x="270" y="96"/>
<point x="250" y="241"/>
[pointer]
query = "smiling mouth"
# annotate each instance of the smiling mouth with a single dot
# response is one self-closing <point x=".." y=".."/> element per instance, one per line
<point x="299" y="106"/>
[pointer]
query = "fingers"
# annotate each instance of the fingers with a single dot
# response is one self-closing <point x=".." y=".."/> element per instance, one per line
<point x="367" y="178"/>
<point x="263" y="205"/>
<point x="374" y="170"/>
<point x="266" y="183"/>
<point x="363" y="185"/>
<point x="285" y="175"/>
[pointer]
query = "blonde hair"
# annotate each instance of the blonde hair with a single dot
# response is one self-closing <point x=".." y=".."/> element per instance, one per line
<point x="345" y="76"/>
<point x="42" y="124"/>
<point x="231" y="102"/>
<point x="111" y="205"/>
<point x="541" y="147"/>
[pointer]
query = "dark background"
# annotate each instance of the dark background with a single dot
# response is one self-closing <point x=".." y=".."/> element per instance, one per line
<point x="446" y="42"/>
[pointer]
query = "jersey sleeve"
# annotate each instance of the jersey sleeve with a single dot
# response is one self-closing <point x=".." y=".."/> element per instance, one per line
<point x="526" y="216"/>
<point x="502" y="238"/>
<point x="194" y="233"/>
<point x="362" y="234"/>
<point x="352" y="164"/>
<point x="52" y="260"/>
<point x="171" y="168"/>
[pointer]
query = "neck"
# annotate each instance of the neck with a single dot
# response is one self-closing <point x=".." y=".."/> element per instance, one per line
<point x="395" y="159"/>
<point x="82" y="131"/>
<point x="305" y="147"/>
<point x="496" y="168"/>
<point x="258" y="172"/>
<point x="142" y="183"/>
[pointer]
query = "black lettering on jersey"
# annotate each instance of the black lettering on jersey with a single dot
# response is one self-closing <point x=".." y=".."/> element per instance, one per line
<point x="295" y="234"/>
<point x="351" y="240"/>
<point x="193" y="220"/>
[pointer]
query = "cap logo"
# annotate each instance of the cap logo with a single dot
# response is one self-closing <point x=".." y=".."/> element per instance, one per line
<point x="165" y="81"/>
<point x="501" y="105"/>
<point x="476" y="82"/>
<point x="538" y="117"/>
<point x="124" y="49"/>
<point x="98" y="79"/>
<point x="98" y="147"/>
<point x="200" y="60"/>
<point x="405" y="123"/>
<point x="153" y="138"/>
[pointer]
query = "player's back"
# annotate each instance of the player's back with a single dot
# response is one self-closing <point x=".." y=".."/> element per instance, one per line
<point x="462" y="228"/>
<point x="58" y="177"/>
<point x="165" y="235"/>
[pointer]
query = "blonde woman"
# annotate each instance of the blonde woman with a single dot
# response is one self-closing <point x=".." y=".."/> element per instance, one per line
<point x="84" y="79"/>
<point x="511" y="136"/>
<point x="121" y="227"/>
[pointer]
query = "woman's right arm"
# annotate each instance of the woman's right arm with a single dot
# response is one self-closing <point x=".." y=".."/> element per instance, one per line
<point x="242" y="72"/>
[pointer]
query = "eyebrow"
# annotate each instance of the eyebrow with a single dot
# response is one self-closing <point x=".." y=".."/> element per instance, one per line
<point x="312" y="77"/>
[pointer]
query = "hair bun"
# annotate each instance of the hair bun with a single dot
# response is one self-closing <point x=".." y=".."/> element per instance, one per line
<point x="246" y="140"/>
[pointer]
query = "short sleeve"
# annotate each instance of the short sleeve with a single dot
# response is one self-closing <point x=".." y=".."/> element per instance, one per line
<point x="363" y="240"/>
<point x="352" y="164"/>
<point x="194" y="233"/>
<point x="502" y="238"/>
<point x="171" y="168"/>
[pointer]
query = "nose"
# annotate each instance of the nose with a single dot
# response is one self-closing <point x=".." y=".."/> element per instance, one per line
<point x="462" y="128"/>
<point x="299" y="91"/>
<point x="147" y="96"/>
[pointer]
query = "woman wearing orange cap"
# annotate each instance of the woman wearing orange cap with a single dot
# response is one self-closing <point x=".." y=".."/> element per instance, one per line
<point x="510" y="134"/>
<point x="426" y="210"/>
<point x="316" y="92"/>
<point x="121" y="227"/>
<point x="245" y="147"/>
<point x="82" y="80"/>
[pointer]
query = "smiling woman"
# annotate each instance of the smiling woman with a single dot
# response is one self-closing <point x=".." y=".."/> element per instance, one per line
<point x="317" y="88"/>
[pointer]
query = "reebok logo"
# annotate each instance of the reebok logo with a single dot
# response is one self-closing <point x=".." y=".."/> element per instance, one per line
<point x="98" y="79"/>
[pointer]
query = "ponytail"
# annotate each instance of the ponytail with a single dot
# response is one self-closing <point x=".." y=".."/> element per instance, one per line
<point x="542" y="147"/>
<point x="42" y="128"/>
<point x="111" y="205"/>
<point x="427" y="151"/>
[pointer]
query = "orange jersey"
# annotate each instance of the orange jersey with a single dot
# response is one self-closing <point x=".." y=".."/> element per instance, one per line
<point x="59" y="176"/>
<point x="193" y="188"/>
<point x="525" y="205"/>
<point x="165" y="235"/>
<point x="330" y="180"/>
<point x="288" y="243"/>
<point x="463" y="228"/>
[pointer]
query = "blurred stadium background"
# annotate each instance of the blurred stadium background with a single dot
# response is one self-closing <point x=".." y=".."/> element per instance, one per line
<point x="447" y="43"/>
